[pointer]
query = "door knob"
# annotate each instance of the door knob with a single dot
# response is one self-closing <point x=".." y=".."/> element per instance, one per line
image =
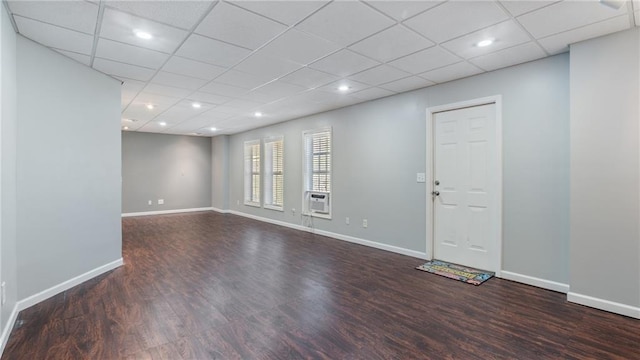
<point x="435" y="193"/>
<point x="437" y="182"/>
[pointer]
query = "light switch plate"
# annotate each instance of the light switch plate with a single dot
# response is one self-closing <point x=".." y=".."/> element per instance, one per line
<point x="421" y="177"/>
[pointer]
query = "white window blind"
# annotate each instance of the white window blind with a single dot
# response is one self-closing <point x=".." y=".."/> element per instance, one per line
<point x="252" y="172"/>
<point x="274" y="173"/>
<point x="317" y="160"/>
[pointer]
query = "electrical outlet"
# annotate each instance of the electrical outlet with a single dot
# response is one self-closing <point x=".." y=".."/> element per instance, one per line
<point x="160" y="201"/>
<point x="150" y="202"/>
<point x="293" y="211"/>
<point x="346" y="221"/>
<point x="421" y="177"/>
<point x="365" y="223"/>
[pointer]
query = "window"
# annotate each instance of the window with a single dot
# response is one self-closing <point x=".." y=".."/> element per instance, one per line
<point x="317" y="162"/>
<point x="252" y="173"/>
<point x="274" y="173"/>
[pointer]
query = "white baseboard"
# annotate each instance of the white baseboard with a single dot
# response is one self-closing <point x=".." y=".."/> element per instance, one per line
<point x="6" y="332"/>
<point x="606" y="305"/>
<point x="534" y="281"/>
<point x="355" y="240"/>
<point x="54" y="290"/>
<point x="163" y="212"/>
<point x="220" y="210"/>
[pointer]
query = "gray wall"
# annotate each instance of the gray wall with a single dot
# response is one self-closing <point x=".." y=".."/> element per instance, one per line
<point x="174" y="168"/>
<point x="220" y="172"/>
<point x="8" y="160"/>
<point x="605" y="145"/>
<point x="68" y="173"/>
<point x="379" y="147"/>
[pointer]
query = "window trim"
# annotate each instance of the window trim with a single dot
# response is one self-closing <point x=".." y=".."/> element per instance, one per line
<point x="268" y="174"/>
<point x="305" y="176"/>
<point x="248" y="174"/>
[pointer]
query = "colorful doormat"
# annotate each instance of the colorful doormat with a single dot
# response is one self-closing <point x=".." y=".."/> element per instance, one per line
<point x="457" y="272"/>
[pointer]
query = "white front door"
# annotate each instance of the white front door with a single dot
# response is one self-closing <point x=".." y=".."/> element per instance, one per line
<point x="466" y="224"/>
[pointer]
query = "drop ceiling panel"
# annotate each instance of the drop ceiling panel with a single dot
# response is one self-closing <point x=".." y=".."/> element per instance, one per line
<point x="558" y="43"/>
<point x="344" y="63"/>
<point x="455" y="71"/>
<point x="182" y="111"/>
<point x="118" y="69"/>
<point x="280" y="89"/>
<point x="245" y="105"/>
<point x="238" y="26"/>
<point x="286" y="12"/>
<point x="508" y="57"/>
<point x="75" y="15"/>
<point x="372" y="93"/>
<point x="164" y="90"/>
<point x="407" y="84"/>
<point x="54" y="36"/>
<point x="379" y="75"/>
<point x="391" y="44"/>
<point x="402" y="10"/>
<point x="209" y="98"/>
<point x="455" y="18"/>
<point x="504" y="35"/>
<point x="196" y="69"/>
<point x="299" y="47"/>
<point x="260" y="97"/>
<point x="130" y="89"/>
<point x="517" y="8"/>
<point x="242" y="79"/>
<point x="309" y="78"/>
<point x="267" y="66"/>
<point x="159" y="102"/>
<point x="223" y="89"/>
<point x="179" y="81"/>
<point x="211" y="51"/>
<point x="332" y="88"/>
<point x="81" y="58"/>
<point x="566" y="15"/>
<point x="182" y="14"/>
<point x="425" y="60"/>
<point x="121" y="27"/>
<point x="130" y="54"/>
<point x="345" y="22"/>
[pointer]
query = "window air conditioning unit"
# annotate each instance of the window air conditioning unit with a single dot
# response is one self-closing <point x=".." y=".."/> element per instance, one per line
<point x="318" y="202"/>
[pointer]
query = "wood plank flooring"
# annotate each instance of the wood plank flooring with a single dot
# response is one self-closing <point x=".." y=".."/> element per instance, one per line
<point x="212" y="286"/>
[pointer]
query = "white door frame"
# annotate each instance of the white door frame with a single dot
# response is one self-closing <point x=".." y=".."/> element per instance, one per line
<point x="431" y="111"/>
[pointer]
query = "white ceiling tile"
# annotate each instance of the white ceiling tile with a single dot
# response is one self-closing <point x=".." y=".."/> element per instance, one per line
<point x="159" y="102"/>
<point x="155" y="127"/>
<point x="182" y="14"/>
<point x="211" y="51"/>
<point x="180" y="81"/>
<point x="238" y="26"/>
<point x="81" y="58"/>
<point x="391" y="44"/>
<point x="182" y="111"/>
<point x="566" y="15"/>
<point x="425" y="60"/>
<point x="508" y="57"/>
<point x="506" y="34"/>
<point x="345" y="22"/>
<point x="130" y="54"/>
<point x="455" y="18"/>
<point x="223" y="89"/>
<point x="129" y="90"/>
<point x="558" y="43"/>
<point x="455" y="71"/>
<point x="260" y="97"/>
<point x="153" y="88"/>
<point x="54" y="36"/>
<point x="232" y="110"/>
<point x="379" y="75"/>
<point x="299" y="47"/>
<point x="196" y="69"/>
<point x="123" y="70"/>
<point x="242" y="79"/>
<point x="267" y="66"/>
<point x="242" y="104"/>
<point x="401" y="10"/>
<point x="75" y="15"/>
<point x="121" y="27"/>
<point x="286" y="12"/>
<point x="332" y="88"/>
<point x="519" y="7"/>
<point x="372" y="93"/>
<point x="344" y="63"/>
<point x="406" y="84"/>
<point x="209" y="98"/>
<point x="309" y="78"/>
<point x="280" y="89"/>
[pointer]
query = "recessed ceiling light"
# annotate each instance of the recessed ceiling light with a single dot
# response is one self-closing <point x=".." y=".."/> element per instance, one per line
<point x="213" y="129"/>
<point x="142" y="34"/>
<point x="126" y="128"/>
<point x="130" y="120"/>
<point x="344" y="88"/>
<point x="485" y="42"/>
<point x="150" y="106"/>
<point x="163" y="124"/>
<point x="196" y="105"/>
<point x="257" y="114"/>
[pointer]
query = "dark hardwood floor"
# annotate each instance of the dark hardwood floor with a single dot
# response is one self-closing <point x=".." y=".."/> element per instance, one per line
<point x="212" y="286"/>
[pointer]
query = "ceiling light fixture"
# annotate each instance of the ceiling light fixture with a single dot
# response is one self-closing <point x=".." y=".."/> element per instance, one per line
<point x="213" y="129"/>
<point x="344" y="88"/>
<point x="163" y="124"/>
<point x="126" y="128"/>
<point x="150" y="106"/>
<point x="196" y="105"/>
<point x="142" y="34"/>
<point x="485" y="42"/>
<point x="257" y="114"/>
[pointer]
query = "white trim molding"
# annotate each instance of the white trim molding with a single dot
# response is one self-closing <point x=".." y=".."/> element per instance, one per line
<point x="66" y="285"/>
<point x="6" y="332"/>
<point x="221" y="211"/>
<point x="534" y="281"/>
<point x="355" y="240"/>
<point x="164" y="212"/>
<point x="606" y="305"/>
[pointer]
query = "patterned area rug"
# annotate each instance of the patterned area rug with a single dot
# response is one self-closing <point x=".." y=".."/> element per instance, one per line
<point x="457" y="272"/>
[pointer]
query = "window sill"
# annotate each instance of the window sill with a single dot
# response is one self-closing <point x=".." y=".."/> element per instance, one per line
<point x="276" y="208"/>
<point x="318" y="215"/>
<point x="254" y="204"/>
